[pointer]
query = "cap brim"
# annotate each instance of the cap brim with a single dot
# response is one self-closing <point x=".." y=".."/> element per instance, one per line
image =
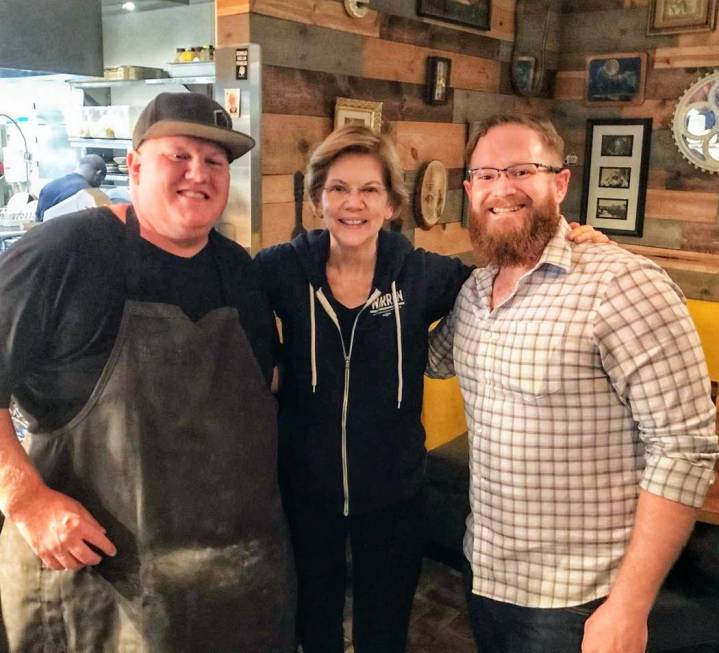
<point x="236" y="143"/>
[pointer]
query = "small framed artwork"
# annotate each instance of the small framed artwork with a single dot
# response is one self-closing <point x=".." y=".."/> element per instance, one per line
<point x="437" y="85"/>
<point x="616" y="79"/>
<point x="615" y="175"/>
<point x="679" y="16"/>
<point x="358" y="112"/>
<point x="474" y="13"/>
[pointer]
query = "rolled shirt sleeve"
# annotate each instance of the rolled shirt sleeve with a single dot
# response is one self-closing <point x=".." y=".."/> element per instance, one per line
<point x="654" y="359"/>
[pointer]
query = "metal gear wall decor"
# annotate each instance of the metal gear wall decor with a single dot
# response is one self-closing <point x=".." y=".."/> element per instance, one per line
<point x="695" y="125"/>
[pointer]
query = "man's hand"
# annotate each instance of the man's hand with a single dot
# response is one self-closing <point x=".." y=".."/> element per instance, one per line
<point x="60" y="531"/>
<point x="615" y="629"/>
<point x="585" y="233"/>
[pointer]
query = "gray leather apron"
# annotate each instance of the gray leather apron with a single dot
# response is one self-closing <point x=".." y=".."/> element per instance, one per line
<point x="175" y="455"/>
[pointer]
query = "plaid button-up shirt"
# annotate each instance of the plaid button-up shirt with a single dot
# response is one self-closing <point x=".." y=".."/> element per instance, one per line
<point x="585" y="384"/>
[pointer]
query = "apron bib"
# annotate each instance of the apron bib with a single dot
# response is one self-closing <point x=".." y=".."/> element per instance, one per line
<point x="175" y="455"/>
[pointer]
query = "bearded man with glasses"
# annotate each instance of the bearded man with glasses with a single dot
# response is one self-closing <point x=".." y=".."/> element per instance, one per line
<point x="591" y="430"/>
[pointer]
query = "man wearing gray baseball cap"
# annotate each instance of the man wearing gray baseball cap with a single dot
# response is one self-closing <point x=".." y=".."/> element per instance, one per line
<point x="142" y="508"/>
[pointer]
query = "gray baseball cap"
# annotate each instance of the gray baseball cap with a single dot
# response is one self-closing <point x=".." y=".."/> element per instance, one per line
<point x="190" y="114"/>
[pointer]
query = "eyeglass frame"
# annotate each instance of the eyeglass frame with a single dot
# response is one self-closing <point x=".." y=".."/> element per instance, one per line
<point x="542" y="167"/>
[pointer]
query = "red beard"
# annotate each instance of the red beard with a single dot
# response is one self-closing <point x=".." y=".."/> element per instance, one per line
<point x="520" y="246"/>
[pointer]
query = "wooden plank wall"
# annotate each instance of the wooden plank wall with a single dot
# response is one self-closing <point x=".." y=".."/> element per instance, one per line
<point x="682" y="209"/>
<point x="314" y="52"/>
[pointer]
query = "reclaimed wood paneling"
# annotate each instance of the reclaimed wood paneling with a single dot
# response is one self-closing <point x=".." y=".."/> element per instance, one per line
<point x="307" y="92"/>
<point x="471" y="106"/>
<point x="678" y="204"/>
<point x="406" y="63"/>
<point x="287" y="141"/>
<point x="675" y="180"/>
<point x="439" y="37"/>
<point x="324" y="13"/>
<point x="419" y="142"/>
<point x="701" y="238"/>
<point x="232" y="30"/>
<point x="297" y="45"/>
<point x="612" y="30"/>
<point x="501" y="26"/>
<point x="277" y="189"/>
<point x="569" y="85"/>
<point x="278" y="220"/>
<point x="686" y="57"/>
<point x="231" y="7"/>
<point x="444" y="239"/>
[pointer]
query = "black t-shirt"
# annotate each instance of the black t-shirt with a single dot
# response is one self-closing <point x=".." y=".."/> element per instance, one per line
<point x="62" y="293"/>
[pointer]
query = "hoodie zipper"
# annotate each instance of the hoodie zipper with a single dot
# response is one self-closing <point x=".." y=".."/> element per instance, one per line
<point x="346" y="391"/>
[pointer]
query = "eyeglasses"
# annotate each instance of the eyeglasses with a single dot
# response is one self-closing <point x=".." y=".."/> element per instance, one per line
<point x="368" y="194"/>
<point x="517" y="172"/>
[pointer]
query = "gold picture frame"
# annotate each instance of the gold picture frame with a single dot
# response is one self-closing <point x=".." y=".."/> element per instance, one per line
<point x="349" y="111"/>
<point x="680" y="16"/>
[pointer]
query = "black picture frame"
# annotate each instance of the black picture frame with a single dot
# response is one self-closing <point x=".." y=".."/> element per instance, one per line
<point x="473" y="13"/>
<point x="437" y="80"/>
<point x="616" y="167"/>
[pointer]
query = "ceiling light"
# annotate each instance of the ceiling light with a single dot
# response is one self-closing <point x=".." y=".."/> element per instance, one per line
<point x="128" y="6"/>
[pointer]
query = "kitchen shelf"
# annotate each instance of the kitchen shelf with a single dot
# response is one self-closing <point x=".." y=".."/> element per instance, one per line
<point x="195" y="72"/>
<point x="107" y="143"/>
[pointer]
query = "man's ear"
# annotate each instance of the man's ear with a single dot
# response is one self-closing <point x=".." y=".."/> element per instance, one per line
<point x="561" y="179"/>
<point x="133" y="166"/>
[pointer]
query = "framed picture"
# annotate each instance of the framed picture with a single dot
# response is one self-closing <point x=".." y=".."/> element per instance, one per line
<point x="615" y="175"/>
<point x="437" y="85"/>
<point x="474" y="13"/>
<point x="677" y="16"/>
<point x="616" y="78"/>
<point x="358" y="112"/>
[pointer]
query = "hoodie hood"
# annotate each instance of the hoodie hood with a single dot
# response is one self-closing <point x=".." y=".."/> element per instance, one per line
<point x="313" y="250"/>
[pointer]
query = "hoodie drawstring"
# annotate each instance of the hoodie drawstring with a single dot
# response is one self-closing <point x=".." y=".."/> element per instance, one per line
<point x="398" y="325"/>
<point x="313" y="339"/>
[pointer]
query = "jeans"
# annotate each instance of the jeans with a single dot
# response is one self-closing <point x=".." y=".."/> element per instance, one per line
<point x="386" y="548"/>
<point x="684" y="619"/>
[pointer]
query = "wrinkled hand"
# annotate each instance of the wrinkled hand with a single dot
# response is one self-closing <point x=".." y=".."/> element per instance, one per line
<point x="59" y="531"/>
<point x="585" y="233"/>
<point x="615" y="630"/>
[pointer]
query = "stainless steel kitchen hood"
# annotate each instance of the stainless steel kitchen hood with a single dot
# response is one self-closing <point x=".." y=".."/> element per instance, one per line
<point x="38" y="37"/>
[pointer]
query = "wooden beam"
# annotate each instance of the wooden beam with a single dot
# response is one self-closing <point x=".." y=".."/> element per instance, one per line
<point x="447" y="239"/>
<point x="287" y="141"/>
<point x="419" y="142"/>
<point x="406" y="63"/>
<point x="682" y="205"/>
<point x="231" y="7"/>
<point x="697" y="56"/>
<point x="323" y="13"/>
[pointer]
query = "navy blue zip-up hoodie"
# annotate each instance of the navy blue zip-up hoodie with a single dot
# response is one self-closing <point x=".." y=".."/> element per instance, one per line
<point x="351" y="438"/>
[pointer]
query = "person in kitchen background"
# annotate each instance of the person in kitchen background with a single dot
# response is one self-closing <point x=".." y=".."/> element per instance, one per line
<point x="90" y="173"/>
<point x="356" y="302"/>
<point x="143" y="510"/>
